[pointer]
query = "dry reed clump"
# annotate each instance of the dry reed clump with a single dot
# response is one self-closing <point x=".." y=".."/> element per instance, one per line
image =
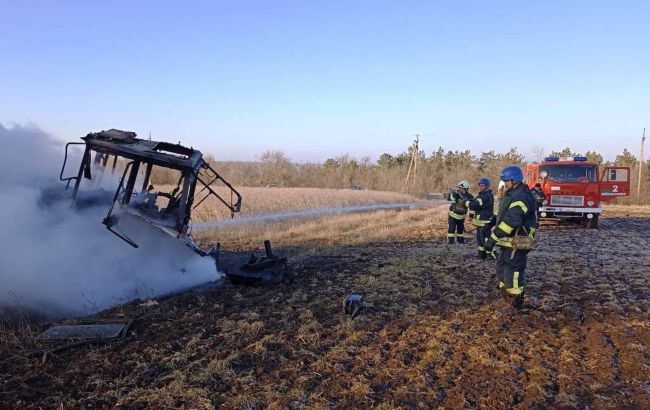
<point x="257" y="201"/>
<point x="18" y="332"/>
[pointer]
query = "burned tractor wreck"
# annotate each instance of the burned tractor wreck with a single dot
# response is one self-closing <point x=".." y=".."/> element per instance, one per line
<point x="136" y="200"/>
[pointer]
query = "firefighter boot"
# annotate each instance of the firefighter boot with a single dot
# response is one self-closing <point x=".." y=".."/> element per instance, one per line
<point x="450" y="238"/>
<point x="514" y="302"/>
<point x="461" y="238"/>
<point x="501" y="301"/>
<point x="507" y="299"/>
<point x="482" y="254"/>
<point x="518" y="301"/>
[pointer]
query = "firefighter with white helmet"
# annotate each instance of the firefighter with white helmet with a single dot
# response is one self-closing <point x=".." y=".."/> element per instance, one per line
<point x="458" y="212"/>
<point x="514" y="232"/>
<point x="538" y="194"/>
<point x="501" y="190"/>
<point x="483" y="207"/>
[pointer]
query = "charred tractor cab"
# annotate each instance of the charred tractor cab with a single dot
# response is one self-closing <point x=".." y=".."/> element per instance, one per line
<point x="575" y="188"/>
<point x="132" y="161"/>
<point x="134" y="155"/>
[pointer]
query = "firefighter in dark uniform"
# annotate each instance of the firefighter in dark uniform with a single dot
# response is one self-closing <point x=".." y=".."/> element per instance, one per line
<point x="457" y="212"/>
<point x="483" y="207"/>
<point x="514" y="231"/>
<point x="538" y="194"/>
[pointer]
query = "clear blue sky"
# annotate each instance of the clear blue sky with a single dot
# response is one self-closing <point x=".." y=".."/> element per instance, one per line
<point x="320" y="78"/>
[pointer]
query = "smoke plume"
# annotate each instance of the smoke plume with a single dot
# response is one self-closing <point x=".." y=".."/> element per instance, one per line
<point x="58" y="260"/>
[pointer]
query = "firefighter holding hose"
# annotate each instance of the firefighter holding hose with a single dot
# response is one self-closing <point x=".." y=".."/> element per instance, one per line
<point x="458" y="212"/>
<point x="514" y="232"/>
<point x="538" y="194"/>
<point x="483" y="207"/>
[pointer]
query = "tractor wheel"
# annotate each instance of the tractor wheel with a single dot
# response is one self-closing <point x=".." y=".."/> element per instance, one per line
<point x="591" y="223"/>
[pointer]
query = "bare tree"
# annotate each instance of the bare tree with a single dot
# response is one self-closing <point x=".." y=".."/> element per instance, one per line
<point x="538" y="152"/>
<point x="276" y="165"/>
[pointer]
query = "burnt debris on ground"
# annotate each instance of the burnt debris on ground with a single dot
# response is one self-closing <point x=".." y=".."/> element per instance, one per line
<point x="431" y="334"/>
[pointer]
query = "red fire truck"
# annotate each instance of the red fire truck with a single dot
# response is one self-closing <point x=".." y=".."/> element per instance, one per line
<point x="575" y="189"/>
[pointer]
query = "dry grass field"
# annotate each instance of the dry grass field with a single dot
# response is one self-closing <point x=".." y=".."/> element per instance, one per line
<point x="431" y="335"/>
<point x="259" y="200"/>
<point x="329" y="230"/>
<point x="326" y="230"/>
<point x="627" y="210"/>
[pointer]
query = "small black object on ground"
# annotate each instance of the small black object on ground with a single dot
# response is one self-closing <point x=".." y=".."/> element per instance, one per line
<point x="258" y="271"/>
<point x="353" y="304"/>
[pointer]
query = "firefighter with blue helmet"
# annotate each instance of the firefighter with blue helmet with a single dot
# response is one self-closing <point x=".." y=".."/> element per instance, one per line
<point x="483" y="207"/>
<point x="458" y="212"/>
<point x="513" y="232"/>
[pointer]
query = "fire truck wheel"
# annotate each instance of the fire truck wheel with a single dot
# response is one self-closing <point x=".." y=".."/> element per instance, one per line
<point x="591" y="223"/>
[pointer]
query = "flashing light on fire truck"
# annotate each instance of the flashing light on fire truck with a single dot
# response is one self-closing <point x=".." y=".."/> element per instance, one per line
<point x="577" y="158"/>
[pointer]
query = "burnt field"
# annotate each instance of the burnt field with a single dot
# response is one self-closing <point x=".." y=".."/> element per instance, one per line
<point x="432" y="333"/>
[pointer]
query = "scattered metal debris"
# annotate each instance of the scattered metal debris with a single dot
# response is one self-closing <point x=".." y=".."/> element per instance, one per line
<point x="265" y="270"/>
<point x="59" y="337"/>
<point x="353" y="304"/>
<point x="83" y="332"/>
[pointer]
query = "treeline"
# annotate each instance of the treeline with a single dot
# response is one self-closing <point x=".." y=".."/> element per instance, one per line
<point x="435" y="172"/>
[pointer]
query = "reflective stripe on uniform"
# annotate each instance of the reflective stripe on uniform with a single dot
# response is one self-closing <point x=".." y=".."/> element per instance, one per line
<point x="519" y="204"/>
<point x="501" y="285"/>
<point x="456" y="216"/>
<point x="479" y="222"/>
<point x="451" y="235"/>
<point x="505" y="242"/>
<point x="515" y="289"/>
<point x="481" y="248"/>
<point x="480" y="201"/>
<point x="505" y="227"/>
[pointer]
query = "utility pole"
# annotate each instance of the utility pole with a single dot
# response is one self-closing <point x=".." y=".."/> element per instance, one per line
<point x="413" y="163"/>
<point x="638" y="186"/>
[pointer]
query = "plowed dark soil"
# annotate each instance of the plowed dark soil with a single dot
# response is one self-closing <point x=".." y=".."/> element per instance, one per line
<point x="433" y="334"/>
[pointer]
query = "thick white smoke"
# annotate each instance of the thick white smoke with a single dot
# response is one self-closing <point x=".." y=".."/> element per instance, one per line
<point x="58" y="260"/>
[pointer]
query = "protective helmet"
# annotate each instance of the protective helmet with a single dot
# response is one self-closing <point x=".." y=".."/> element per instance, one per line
<point x="463" y="184"/>
<point x="513" y="173"/>
<point x="484" y="181"/>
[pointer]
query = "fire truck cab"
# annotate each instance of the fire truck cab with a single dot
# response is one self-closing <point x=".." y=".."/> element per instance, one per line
<point x="575" y="188"/>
